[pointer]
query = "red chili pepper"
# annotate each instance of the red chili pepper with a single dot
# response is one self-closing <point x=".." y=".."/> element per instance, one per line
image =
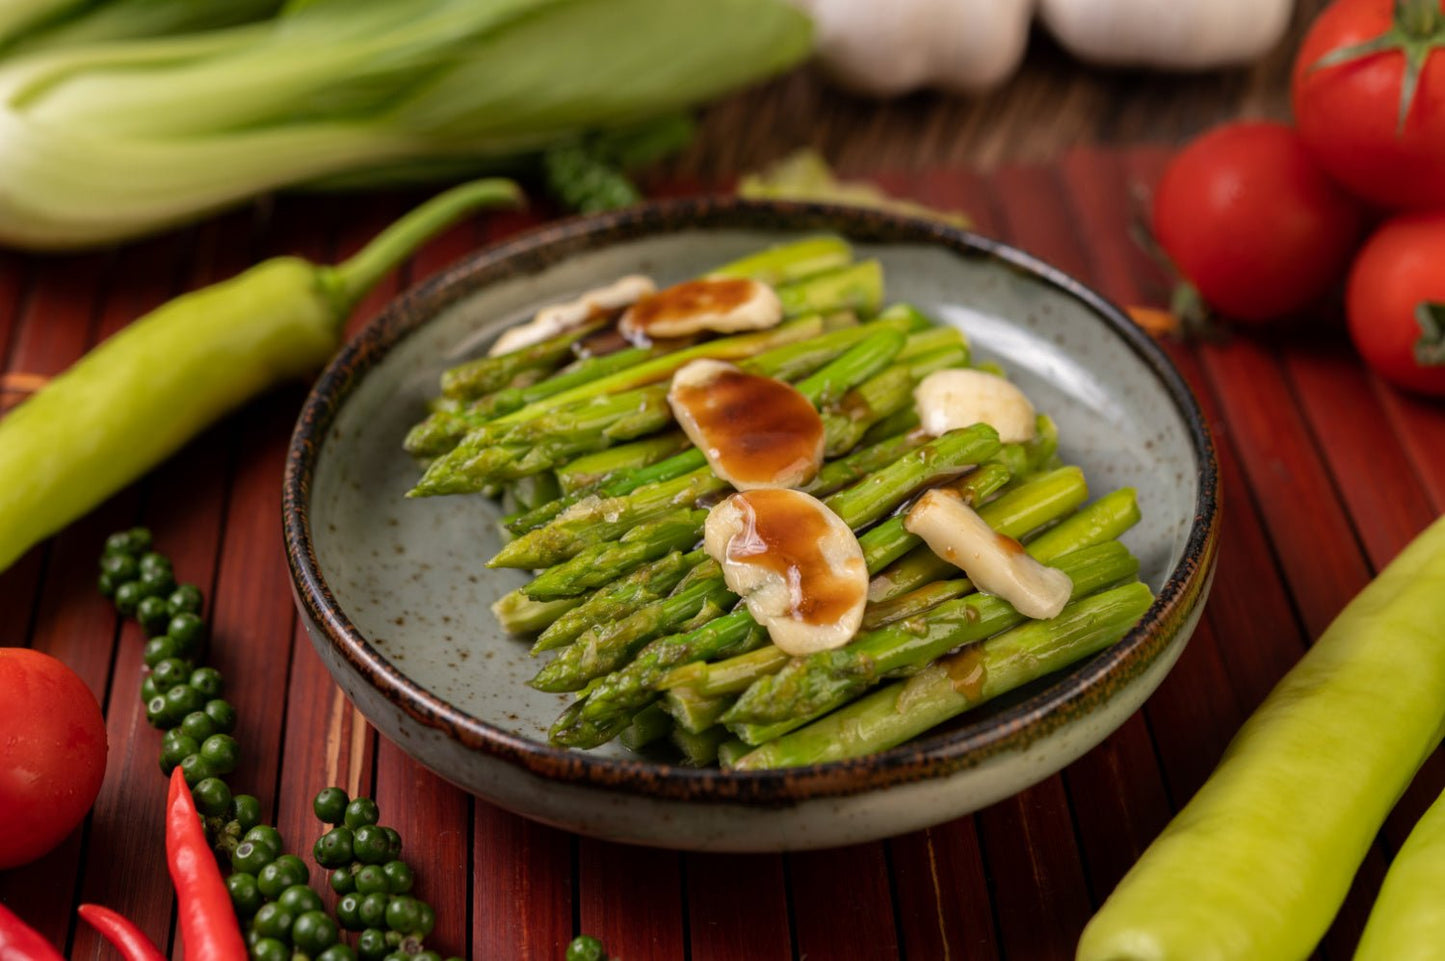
<point x="208" y="922"/>
<point x="122" y="932"/>
<point x="20" y="942"/>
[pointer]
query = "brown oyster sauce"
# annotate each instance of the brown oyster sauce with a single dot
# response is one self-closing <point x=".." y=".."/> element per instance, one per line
<point x="755" y="429"/>
<point x="687" y="299"/>
<point x="784" y="533"/>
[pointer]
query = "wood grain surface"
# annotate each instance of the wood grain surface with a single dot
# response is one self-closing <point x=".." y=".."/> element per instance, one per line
<point x="1053" y="104"/>
<point x="1327" y="473"/>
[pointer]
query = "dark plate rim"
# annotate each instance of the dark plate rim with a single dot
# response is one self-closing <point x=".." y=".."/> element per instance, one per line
<point x="933" y="756"/>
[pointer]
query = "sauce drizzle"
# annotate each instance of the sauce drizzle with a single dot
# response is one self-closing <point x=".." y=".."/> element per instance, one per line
<point x="689" y="299"/>
<point x="755" y="431"/>
<point x="784" y="534"/>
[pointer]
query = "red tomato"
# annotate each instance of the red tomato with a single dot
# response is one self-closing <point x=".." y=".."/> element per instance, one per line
<point x="52" y="753"/>
<point x="1397" y="270"/>
<point x="1252" y="222"/>
<point x="1349" y="113"/>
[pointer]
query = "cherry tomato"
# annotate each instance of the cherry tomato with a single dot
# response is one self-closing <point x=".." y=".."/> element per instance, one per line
<point x="52" y="753"/>
<point x="1397" y="270"/>
<point x="1348" y="113"/>
<point x="1252" y="222"/>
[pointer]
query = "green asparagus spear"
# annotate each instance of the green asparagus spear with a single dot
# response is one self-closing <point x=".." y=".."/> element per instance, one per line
<point x="611" y="703"/>
<point x="609" y="646"/>
<point x="857" y="287"/>
<point x="593" y="568"/>
<point x="699" y="749"/>
<point x="1040" y="502"/>
<point x="729" y="751"/>
<point x="1015" y="513"/>
<point x="485" y="374"/>
<point x="445" y="428"/>
<point x="949" y="687"/>
<point x="606" y="647"/>
<point x="618" y="695"/>
<point x="664" y="470"/>
<point x="613" y="603"/>
<point x="789" y="262"/>
<point x="808" y="686"/>
<point x="649" y="725"/>
<point x="519" y="614"/>
<point x="693" y="712"/>
<point x="591" y="470"/>
<point x="590" y="522"/>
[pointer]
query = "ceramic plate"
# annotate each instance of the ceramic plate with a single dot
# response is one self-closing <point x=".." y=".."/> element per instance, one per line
<point x="396" y="595"/>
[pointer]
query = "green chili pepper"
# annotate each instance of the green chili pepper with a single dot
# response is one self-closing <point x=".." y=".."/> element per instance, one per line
<point x="138" y="397"/>
<point x="1256" y="865"/>
<point x="1407" y="920"/>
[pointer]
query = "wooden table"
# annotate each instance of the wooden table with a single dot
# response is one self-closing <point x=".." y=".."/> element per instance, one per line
<point x="1327" y="473"/>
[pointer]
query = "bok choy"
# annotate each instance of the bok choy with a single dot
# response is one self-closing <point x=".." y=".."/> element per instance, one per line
<point x="102" y="142"/>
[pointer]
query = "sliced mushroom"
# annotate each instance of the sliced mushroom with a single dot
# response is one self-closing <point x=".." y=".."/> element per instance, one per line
<point x="995" y="563"/>
<point x="723" y="305"/>
<point x="950" y="399"/>
<point x="795" y="564"/>
<point x="553" y="320"/>
<point x="755" y="431"/>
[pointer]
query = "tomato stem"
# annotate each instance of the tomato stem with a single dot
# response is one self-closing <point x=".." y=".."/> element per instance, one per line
<point x="1430" y="348"/>
<point x="1417" y="31"/>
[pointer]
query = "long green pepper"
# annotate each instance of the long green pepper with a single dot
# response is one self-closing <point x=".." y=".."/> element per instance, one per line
<point x="137" y="398"/>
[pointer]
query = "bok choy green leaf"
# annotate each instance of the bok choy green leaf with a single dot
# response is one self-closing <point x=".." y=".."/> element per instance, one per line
<point x="107" y="141"/>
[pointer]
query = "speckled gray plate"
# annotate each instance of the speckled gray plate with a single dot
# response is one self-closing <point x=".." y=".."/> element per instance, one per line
<point x="395" y="593"/>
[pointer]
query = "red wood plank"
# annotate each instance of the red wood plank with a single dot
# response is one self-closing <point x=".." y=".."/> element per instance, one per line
<point x="70" y="621"/>
<point x="15" y="271"/>
<point x="126" y="824"/>
<point x="1116" y="790"/>
<point x="327" y="741"/>
<point x="1372" y="471"/>
<point x="1041" y="899"/>
<point x="631" y="899"/>
<point x="944" y="908"/>
<point x="1419" y="423"/>
<point x="737" y="907"/>
<point x="1034" y="828"/>
<point x="521" y="887"/>
<point x="1275" y="435"/>
<point x="432" y="815"/>
<point x="434" y="820"/>
<point x="842" y="905"/>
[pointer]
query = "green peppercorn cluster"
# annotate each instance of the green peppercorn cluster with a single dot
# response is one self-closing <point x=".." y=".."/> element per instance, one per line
<point x="285" y="919"/>
<point x="181" y="699"/>
<point x="364" y="858"/>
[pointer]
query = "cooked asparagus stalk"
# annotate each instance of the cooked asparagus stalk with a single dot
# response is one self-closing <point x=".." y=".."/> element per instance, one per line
<point x="952" y="685"/>
<point x="583" y="528"/>
<point x="483" y="375"/>
<point x="1108" y="517"/>
<point x="616" y="601"/>
<point x="591" y="470"/>
<point x="790" y="262"/>
<point x="1041" y="501"/>
<point x="608" y="646"/>
<point x="808" y="686"/>
<point x="649" y="725"/>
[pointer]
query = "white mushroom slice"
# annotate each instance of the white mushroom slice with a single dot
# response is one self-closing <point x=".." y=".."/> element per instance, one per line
<point x="553" y="320"/>
<point x="755" y="431"/>
<point x="795" y="564"/>
<point x="950" y="399"/>
<point x="995" y="563"/>
<point x="724" y="305"/>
